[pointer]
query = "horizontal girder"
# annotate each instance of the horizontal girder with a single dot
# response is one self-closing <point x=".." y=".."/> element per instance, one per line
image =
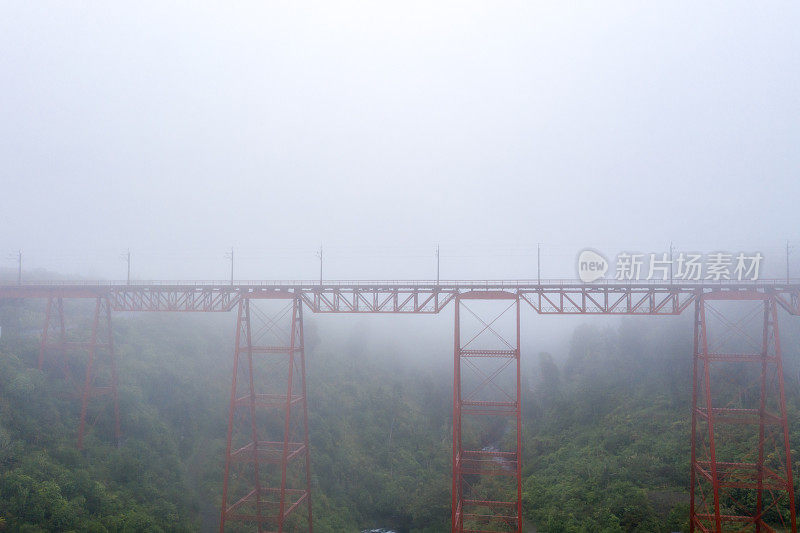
<point x="547" y="297"/>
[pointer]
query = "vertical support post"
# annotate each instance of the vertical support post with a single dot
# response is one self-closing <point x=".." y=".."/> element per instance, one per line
<point x="302" y="352"/>
<point x="54" y="311"/>
<point x="695" y="377"/>
<point x="45" y="329"/>
<point x="287" y="416"/>
<point x="709" y="410"/>
<point x="783" y="415"/>
<point x="519" y="420"/>
<point x="231" y="412"/>
<point x="457" y="523"/>
<point x="252" y="403"/>
<point x="55" y="305"/>
<point x="87" y="382"/>
<point x="112" y="360"/>
<point x="62" y="339"/>
<point x="761" y="414"/>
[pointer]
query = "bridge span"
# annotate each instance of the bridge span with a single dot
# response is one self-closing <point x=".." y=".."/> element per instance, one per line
<point x="404" y="296"/>
<point x="267" y="477"/>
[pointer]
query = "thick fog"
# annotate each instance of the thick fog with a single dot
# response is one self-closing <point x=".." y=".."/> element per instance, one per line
<point x="388" y="141"/>
<point x="379" y="130"/>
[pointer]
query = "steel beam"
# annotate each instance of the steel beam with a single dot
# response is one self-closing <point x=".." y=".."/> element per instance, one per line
<point x="356" y="297"/>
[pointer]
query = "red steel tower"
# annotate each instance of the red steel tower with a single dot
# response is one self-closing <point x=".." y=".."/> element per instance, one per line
<point x="741" y="474"/>
<point x="266" y="479"/>
<point x="95" y="355"/>
<point x="487" y="439"/>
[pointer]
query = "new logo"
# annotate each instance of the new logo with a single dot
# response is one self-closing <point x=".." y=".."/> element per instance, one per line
<point x="591" y="266"/>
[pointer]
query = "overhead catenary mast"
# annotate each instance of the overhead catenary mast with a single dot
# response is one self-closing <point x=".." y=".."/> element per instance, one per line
<point x="437" y="264"/>
<point x="127" y="257"/>
<point x="229" y="255"/>
<point x="319" y="254"/>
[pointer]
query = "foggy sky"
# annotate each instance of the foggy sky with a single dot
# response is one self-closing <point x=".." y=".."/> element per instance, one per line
<point x="381" y="129"/>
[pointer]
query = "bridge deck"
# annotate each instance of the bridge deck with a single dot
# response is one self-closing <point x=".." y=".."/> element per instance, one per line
<point x="407" y="296"/>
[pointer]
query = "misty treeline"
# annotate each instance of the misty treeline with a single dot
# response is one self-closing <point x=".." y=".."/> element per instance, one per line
<point x="605" y="449"/>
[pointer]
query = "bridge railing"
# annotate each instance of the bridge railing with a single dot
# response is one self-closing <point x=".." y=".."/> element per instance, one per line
<point x="408" y="283"/>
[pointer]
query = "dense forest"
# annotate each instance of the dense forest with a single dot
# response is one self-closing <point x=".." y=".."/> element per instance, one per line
<point x="606" y="423"/>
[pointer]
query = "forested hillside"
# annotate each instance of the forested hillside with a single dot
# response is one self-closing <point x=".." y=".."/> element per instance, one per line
<point x="606" y="443"/>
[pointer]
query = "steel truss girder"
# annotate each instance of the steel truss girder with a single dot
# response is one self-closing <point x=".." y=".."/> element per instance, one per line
<point x="377" y="300"/>
<point x="174" y="300"/>
<point x="417" y="298"/>
<point x="609" y="301"/>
